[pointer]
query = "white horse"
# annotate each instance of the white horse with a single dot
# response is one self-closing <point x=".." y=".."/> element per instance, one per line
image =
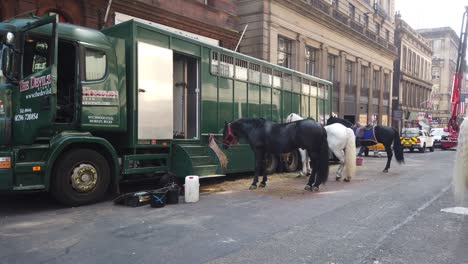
<point x="460" y="174"/>
<point x="341" y="141"/>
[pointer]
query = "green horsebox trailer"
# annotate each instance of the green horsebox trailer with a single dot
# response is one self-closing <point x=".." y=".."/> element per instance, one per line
<point x="83" y="110"/>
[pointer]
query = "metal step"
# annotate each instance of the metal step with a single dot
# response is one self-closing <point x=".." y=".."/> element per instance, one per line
<point x="195" y="150"/>
<point x="205" y="170"/>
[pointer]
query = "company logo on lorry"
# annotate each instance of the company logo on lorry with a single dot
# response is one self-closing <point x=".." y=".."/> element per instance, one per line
<point x="40" y="82"/>
<point x="99" y="97"/>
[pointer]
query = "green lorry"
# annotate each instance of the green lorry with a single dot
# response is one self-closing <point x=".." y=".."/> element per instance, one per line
<point x="83" y="110"/>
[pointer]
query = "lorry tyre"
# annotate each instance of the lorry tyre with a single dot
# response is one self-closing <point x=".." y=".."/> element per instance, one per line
<point x="423" y="149"/>
<point x="291" y="161"/>
<point x="271" y="163"/>
<point x="80" y="176"/>
<point x="431" y="149"/>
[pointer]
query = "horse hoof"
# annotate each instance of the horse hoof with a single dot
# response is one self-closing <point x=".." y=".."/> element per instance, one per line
<point x="385" y="171"/>
<point x="338" y="178"/>
<point x="314" y="189"/>
<point x="262" y="185"/>
<point x="299" y="176"/>
<point x="307" y="187"/>
<point x="253" y="187"/>
<point x="347" y="179"/>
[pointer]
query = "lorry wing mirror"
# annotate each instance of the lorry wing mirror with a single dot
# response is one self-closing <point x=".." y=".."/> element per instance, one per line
<point x="6" y="61"/>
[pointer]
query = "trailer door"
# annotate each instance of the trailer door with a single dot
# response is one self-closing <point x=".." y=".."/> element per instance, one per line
<point x="155" y="89"/>
<point x="36" y="106"/>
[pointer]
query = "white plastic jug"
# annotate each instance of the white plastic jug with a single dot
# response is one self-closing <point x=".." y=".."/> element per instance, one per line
<point x="192" y="189"/>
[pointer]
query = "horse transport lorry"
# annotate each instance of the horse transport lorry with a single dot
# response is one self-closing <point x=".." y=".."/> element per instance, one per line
<point x="83" y="110"/>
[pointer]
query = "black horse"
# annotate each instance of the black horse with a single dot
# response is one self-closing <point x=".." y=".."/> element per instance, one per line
<point x="383" y="134"/>
<point x="267" y="137"/>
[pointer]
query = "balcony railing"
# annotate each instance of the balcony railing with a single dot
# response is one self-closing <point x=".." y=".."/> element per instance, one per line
<point x="357" y="26"/>
<point x="341" y="17"/>
<point x="371" y="35"/>
<point x="325" y="6"/>
<point x="380" y="11"/>
<point x="320" y="5"/>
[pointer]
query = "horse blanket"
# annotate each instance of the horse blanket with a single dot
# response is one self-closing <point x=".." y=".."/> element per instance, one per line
<point x="366" y="134"/>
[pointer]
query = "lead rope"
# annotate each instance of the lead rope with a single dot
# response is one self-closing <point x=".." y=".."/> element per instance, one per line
<point x="223" y="160"/>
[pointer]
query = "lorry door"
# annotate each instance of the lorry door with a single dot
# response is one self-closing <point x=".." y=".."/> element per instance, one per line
<point x="35" y="99"/>
<point x="155" y="92"/>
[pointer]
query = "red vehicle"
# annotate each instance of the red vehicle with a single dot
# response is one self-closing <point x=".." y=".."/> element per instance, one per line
<point x="453" y="125"/>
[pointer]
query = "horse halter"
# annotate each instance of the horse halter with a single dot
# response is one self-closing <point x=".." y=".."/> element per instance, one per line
<point x="229" y="138"/>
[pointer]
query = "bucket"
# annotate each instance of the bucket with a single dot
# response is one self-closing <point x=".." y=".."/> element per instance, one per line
<point x="192" y="189"/>
<point x="359" y="161"/>
<point x="158" y="198"/>
<point x="173" y="192"/>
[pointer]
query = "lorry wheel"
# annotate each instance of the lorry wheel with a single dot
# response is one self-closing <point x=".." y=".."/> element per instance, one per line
<point x="423" y="149"/>
<point x="431" y="149"/>
<point x="291" y="161"/>
<point x="80" y="176"/>
<point x="271" y="162"/>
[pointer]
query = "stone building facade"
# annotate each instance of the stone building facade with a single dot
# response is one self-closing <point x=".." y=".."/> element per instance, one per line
<point x="444" y="62"/>
<point x="412" y="84"/>
<point x="349" y="42"/>
<point x="214" y="19"/>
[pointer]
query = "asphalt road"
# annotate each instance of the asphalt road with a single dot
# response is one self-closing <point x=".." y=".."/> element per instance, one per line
<point x="377" y="218"/>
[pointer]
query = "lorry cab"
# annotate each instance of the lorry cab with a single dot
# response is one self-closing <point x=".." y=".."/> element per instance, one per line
<point x="59" y="84"/>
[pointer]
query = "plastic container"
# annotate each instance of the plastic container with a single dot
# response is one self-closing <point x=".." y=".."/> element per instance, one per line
<point x="192" y="189"/>
<point x="173" y="192"/>
<point x="359" y="161"/>
<point x="158" y="198"/>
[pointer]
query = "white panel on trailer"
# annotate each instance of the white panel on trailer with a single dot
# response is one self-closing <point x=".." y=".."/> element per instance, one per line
<point x="155" y="88"/>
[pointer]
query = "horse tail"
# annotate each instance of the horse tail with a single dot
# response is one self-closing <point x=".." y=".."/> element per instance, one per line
<point x="460" y="173"/>
<point x="322" y="170"/>
<point x="397" y="147"/>
<point x="350" y="153"/>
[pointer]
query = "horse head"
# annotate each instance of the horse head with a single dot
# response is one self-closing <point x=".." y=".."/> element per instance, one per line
<point x="228" y="135"/>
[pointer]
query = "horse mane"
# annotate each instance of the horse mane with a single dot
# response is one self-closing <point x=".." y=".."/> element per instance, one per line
<point x="255" y="122"/>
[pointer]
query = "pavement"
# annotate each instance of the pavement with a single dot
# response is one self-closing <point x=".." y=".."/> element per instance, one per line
<point x="378" y="217"/>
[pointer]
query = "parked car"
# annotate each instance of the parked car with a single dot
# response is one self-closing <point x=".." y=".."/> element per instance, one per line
<point x="438" y="134"/>
<point x="413" y="138"/>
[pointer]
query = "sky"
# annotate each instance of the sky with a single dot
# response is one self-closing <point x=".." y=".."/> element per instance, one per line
<point x="432" y="13"/>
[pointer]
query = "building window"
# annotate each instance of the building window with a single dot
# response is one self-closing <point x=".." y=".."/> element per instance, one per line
<point x="352" y="11"/>
<point x="436" y="45"/>
<point x="387" y="35"/>
<point x="377" y="29"/>
<point x="349" y="88"/>
<point x="311" y="60"/>
<point x="284" y="52"/>
<point x="435" y="73"/>
<point x="375" y="93"/>
<point x="366" y="20"/>
<point x="386" y="91"/>
<point x="410" y="59"/>
<point x="364" y="81"/>
<point x="331" y="67"/>
<point x="404" y="58"/>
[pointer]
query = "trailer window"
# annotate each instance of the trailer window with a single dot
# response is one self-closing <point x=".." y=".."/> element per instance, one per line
<point x="95" y="65"/>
